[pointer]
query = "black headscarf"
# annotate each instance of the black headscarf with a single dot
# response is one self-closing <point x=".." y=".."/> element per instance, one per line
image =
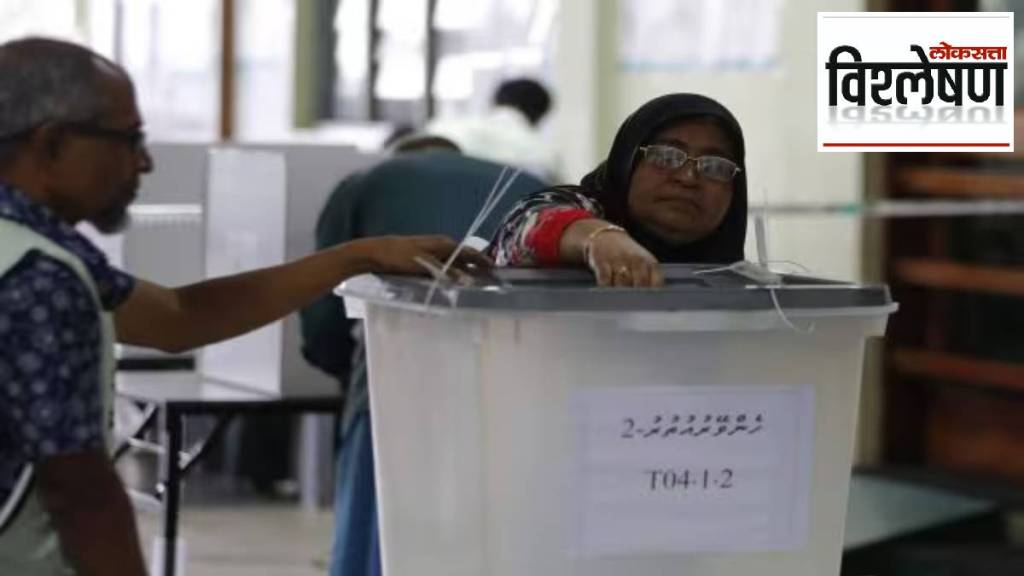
<point x="609" y="182"/>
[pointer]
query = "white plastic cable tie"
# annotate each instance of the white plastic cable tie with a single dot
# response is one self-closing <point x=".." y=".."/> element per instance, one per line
<point x="760" y="235"/>
<point x="440" y="277"/>
<point x="491" y="202"/>
<point x="761" y="273"/>
<point x="485" y="214"/>
<point x="485" y="207"/>
<point x="767" y="278"/>
<point x="785" y="319"/>
<point x="482" y="215"/>
<point x="803" y="269"/>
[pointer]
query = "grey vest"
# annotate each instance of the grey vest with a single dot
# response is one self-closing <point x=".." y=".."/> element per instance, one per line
<point x="28" y="541"/>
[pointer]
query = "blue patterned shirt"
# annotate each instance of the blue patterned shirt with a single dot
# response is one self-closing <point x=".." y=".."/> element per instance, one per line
<point x="50" y="397"/>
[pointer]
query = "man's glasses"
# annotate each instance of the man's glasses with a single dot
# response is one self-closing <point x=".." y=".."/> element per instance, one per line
<point x="670" y="158"/>
<point x="134" y="138"/>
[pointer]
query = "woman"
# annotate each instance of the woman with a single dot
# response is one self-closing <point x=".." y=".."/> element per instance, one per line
<point x="673" y="189"/>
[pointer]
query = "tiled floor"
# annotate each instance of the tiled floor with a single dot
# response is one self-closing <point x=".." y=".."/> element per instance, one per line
<point x="230" y="530"/>
<point x="250" y="539"/>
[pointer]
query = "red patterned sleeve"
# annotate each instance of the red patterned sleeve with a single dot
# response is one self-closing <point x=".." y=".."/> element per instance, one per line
<point x="531" y="232"/>
<point x="545" y="237"/>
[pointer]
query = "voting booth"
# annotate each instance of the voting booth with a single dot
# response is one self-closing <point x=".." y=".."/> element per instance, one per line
<point x="261" y="210"/>
<point x="530" y="423"/>
<point x="210" y="211"/>
<point x="164" y="242"/>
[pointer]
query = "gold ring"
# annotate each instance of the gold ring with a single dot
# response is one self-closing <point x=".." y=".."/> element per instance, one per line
<point x="623" y="271"/>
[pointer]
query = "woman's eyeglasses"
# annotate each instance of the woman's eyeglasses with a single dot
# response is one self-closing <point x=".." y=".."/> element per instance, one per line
<point x="670" y="158"/>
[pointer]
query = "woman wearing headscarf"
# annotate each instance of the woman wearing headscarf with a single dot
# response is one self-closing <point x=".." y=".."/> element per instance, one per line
<point x="672" y="189"/>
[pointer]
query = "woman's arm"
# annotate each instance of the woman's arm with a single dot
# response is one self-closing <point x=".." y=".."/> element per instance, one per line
<point x="561" y="227"/>
<point x="531" y="233"/>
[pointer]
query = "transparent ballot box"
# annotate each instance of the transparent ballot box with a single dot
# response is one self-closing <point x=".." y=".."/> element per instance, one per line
<point x="530" y="423"/>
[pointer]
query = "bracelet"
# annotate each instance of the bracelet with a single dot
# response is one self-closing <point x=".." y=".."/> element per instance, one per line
<point x="588" y="243"/>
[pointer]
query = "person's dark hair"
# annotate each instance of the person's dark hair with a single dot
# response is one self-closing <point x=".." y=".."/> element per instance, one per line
<point x="528" y="96"/>
<point x="400" y="132"/>
<point x="418" y="142"/>
<point x="609" y="183"/>
<point x="44" y="80"/>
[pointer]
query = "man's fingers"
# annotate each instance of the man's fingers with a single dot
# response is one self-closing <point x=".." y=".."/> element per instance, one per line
<point x="474" y="257"/>
<point x="439" y="246"/>
<point x="428" y="265"/>
<point x="461" y="278"/>
<point x="442" y="247"/>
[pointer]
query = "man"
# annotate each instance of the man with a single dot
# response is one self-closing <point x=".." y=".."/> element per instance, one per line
<point x="508" y="133"/>
<point x="72" y="150"/>
<point x="426" y="187"/>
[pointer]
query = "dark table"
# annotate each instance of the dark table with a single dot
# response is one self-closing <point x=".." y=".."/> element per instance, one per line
<point x="168" y="398"/>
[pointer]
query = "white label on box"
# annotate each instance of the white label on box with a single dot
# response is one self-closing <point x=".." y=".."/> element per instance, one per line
<point x="692" y="469"/>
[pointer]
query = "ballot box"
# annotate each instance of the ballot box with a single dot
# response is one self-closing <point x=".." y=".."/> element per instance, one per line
<point x="531" y="423"/>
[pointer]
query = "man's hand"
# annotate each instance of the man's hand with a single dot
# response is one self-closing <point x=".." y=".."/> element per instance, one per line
<point x="399" y="254"/>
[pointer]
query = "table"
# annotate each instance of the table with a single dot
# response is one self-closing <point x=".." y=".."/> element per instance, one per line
<point x="168" y="399"/>
<point x="888" y="515"/>
<point x="881" y="509"/>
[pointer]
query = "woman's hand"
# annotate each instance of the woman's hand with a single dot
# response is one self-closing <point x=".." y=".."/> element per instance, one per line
<point x="618" y="260"/>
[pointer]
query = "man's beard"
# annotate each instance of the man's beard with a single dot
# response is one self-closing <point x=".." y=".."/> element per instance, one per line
<point x="114" y="219"/>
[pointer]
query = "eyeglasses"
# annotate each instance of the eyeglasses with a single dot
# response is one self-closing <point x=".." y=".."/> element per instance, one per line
<point x="670" y="158"/>
<point x="134" y="138"/>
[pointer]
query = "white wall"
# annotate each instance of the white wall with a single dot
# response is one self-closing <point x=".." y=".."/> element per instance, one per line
<point x="265" y="81"/>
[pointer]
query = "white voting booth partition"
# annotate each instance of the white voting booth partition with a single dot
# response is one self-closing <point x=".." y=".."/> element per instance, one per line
<point x="209" y="211"/>
<point x="261" y="210"/>
<point x="164" y="240"/>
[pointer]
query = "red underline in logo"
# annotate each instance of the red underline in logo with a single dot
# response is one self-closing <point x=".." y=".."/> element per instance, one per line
<point x="917" y="144"/>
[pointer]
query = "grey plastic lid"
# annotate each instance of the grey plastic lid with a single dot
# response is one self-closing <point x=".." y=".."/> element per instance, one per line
<point x="564" y="290"/>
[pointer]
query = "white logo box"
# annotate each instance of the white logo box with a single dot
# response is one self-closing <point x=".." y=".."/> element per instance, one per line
<point x="938" y="126"/>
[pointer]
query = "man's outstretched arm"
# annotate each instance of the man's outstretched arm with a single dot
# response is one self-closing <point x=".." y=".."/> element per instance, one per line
<point x="198" y="314"/>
